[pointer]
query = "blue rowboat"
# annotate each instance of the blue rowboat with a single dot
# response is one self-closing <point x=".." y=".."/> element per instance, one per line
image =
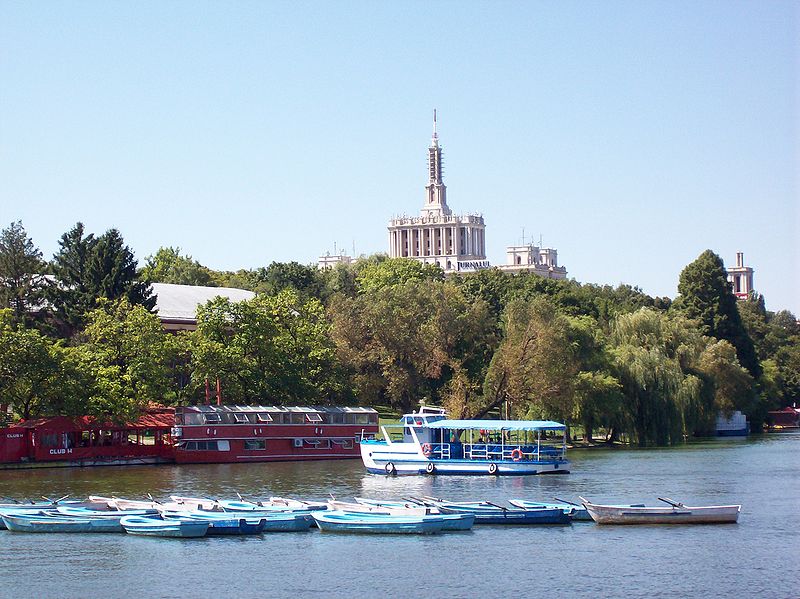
<point x="152" y="527"/>
<point x="274" y="521"/>
<point x="337" y="521"/>
<point x="47" y="523"/>
<point x="490" y="513"/>
<point x="22" y="512"/>
<point x="450" y="522"/>
<point x="576" y="513"/>
<point x="222" y="526"/>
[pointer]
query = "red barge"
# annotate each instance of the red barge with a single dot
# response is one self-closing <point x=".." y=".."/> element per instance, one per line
<point x="191" y="435"/>
<point x="215" y="434"/>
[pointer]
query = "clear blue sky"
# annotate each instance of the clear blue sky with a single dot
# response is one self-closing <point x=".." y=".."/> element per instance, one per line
<point x="630" y="135"/>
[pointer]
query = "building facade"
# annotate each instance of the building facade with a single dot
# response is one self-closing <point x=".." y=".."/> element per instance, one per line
<point x="532" y="258"/>
<point x="741" y="278"/>
<point x="457" y="243"/>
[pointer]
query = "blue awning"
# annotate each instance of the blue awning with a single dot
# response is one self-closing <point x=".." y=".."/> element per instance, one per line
<point x="496" y="425"/>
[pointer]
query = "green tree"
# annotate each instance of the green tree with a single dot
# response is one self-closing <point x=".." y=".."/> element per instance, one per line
<point x="271" y="349"/>
<point x="374" y="276"/>
<point x="21" y="268"/>
<point x="126" y="354"/>
<point x="112" y="273"/>
<point x="169" y="266"/>
<point x="29" y="369"/>
<point x="706" y="296"/>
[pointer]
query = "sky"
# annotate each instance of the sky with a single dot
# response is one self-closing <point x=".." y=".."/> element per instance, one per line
<point x="630" y="136"/>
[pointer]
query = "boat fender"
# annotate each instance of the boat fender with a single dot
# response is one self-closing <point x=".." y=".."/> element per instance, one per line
<point x="430" y="468"/>
<point x="516" y="455"/>
<point x="390" y="469"/>
<point x="492" y="468"/>
<point x="427" y="449"/>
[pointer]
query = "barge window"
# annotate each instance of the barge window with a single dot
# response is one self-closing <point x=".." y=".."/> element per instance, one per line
<point x="207" y="446"/>
<point x="212" y="418"/>
<point x="362" y="418"/>
<point x="313" y="417"/>
<point x="240" y="418"/>
<point x="297" y="418"/>
<point x="255" y="444"/>
<point x="264" y="417"/>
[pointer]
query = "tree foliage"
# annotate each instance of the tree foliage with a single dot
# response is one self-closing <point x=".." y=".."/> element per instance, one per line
<point x="167" y="265"/>
<point x="21" y="268"/>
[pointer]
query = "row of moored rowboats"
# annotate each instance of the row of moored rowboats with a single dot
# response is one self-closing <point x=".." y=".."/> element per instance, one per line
<point x="197" y="517"/>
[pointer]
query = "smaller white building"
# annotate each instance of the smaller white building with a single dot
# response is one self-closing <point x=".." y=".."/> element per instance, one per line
<point x="532" y="258"/>
<point x="327" y="261"/>
<point x="741" y="278"/>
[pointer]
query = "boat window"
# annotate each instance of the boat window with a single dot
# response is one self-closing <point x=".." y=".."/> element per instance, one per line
<point x="222" y="445"/>
<point x="345" y="443"/>
<point x="297" y="418"/>
<point x="212" y="417"/>
<point x="240" y="418"/>
<point x="337" y="418"/>
<point x="373" y="418"/>
<point x="362" y="418"/>
<point x="313" y="417"/>
<point x="255" y="444"/>
<point x="190" y="445"/>
<point x="192" y="418"/>
<point x="264" y="417"/>
<point x="317" y="443"/>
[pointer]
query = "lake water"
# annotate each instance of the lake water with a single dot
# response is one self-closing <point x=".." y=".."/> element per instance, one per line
<point x="756" y="557"/>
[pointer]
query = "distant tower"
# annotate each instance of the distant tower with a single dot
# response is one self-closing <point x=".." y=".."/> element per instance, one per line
<point x="457" y="243"/>
<point x="741" y="278"/>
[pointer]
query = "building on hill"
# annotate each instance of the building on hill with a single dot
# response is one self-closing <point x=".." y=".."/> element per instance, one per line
<point x="533" y="259"/>
<point x="457" y="243"/>
<point x="327" y="261"/>
<point x="741" y="278"/>
<point x="176" y="305"/>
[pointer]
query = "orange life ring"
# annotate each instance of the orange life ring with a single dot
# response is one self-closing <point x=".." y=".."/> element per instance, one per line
<point x="427" y="449"/>
<point x="516" y="455"/>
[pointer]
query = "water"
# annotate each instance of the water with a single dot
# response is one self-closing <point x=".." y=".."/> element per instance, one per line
<point x="756" y="557"/>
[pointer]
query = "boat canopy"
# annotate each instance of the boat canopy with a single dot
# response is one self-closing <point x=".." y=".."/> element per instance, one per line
<point x="506" y="425"/>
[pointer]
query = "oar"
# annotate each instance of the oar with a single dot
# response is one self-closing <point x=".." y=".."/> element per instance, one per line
<point x="505" y="509"/>
<point x="672" y="503"/>
<point x="567" y="502"/>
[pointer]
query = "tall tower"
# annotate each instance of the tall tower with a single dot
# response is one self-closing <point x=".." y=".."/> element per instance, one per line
<point x="741" y="278"/>
<point x="457" y="243"/>
<point x="435" y="190"/>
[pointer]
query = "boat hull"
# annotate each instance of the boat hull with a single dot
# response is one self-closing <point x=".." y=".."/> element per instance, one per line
<point x="576" y="513"/>
<point x="150" y="527"/>
<point x="66" y="524"/>
<point x="618" y="514"/>
<point x="401" y="458"/>
<point x="373" y="524"/>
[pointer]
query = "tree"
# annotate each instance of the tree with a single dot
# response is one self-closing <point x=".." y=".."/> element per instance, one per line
<point x="88" y="268"/>
<point x="126" y="354"/>
<point x="395" y="271"/>
<point x="169" y="266"/>
<point x="271" y="349"/>
<point x="706" y="296"/>
<point x="29" y="368"/>
<point x="21" y="269"/>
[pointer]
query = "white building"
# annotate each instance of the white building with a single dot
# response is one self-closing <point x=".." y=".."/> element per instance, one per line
<point x="741" y="278"/>
<point x="457" y="243"/>
<point x="176" y="305"/>
<point x="531" y="258"/>
<point x="327" y="261"/>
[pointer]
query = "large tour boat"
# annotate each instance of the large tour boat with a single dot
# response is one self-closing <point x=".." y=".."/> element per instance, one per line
<point x="210" y="434"/>
<point x="431" y="443"/>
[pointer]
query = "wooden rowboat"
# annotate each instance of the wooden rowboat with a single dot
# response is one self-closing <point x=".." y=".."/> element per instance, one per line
<point x="152" y="527"/>
<point x="348" y="522"/>
<point x="674" y="513"/>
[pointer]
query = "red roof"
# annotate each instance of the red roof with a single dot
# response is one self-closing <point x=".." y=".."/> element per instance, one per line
<point x="161" y="417"/>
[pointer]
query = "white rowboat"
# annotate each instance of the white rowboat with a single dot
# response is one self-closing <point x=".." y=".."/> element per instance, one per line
<point x="675" y="513"/>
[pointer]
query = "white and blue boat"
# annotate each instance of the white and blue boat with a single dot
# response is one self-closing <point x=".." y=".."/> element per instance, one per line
<point x="492" y="513"/>
<point x="576" y="512"/>
<point x="222" y="524"/>
<point x="268" y="521"/>
<point x="57" y="523"/>
<point x="433" y="444"/>
<point x="153" y="527"/>
<point x="349" y="522"/>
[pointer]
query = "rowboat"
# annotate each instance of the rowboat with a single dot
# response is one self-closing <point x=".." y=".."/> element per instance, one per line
<point x="576" y="513"/>
<point x="268" y="521"/>
<point x="338" y="521"/>
<point x="152" y="527"/>
<point x="18" y="512"/>
<point x="47" y="523"/>
<point x="409" y="510"/>
<point x="674" y="513"/>
<point x="295" y="504"/>
<point x="221" y="525"/>
<point x="82" y="512"/>
<point x="230" y="505"/>
<point x="492" y="513"/>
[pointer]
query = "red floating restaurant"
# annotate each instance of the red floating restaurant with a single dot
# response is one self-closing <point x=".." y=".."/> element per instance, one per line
<point x="85" y="441"/>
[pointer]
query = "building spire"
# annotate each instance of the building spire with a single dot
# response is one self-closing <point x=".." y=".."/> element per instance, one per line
<point x="435" y="190"/>
<point x="435" y="138"/>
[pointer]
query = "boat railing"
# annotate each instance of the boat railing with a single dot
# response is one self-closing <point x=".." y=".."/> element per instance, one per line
<point x="497" y="451"/>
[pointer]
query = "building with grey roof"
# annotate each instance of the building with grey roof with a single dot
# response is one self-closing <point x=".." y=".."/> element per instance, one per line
<point x="176" y="305"/>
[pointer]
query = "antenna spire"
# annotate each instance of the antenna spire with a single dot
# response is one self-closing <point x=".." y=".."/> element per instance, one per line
<point x="435" y="136"/>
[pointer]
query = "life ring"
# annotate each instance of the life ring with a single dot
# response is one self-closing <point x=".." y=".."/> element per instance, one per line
<point x="430" y="468"/>
<point x="390" y="469"/>
<point x="427" y="450"/>
<point x="516" y="455"/>
<point x="492" y="468"/>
